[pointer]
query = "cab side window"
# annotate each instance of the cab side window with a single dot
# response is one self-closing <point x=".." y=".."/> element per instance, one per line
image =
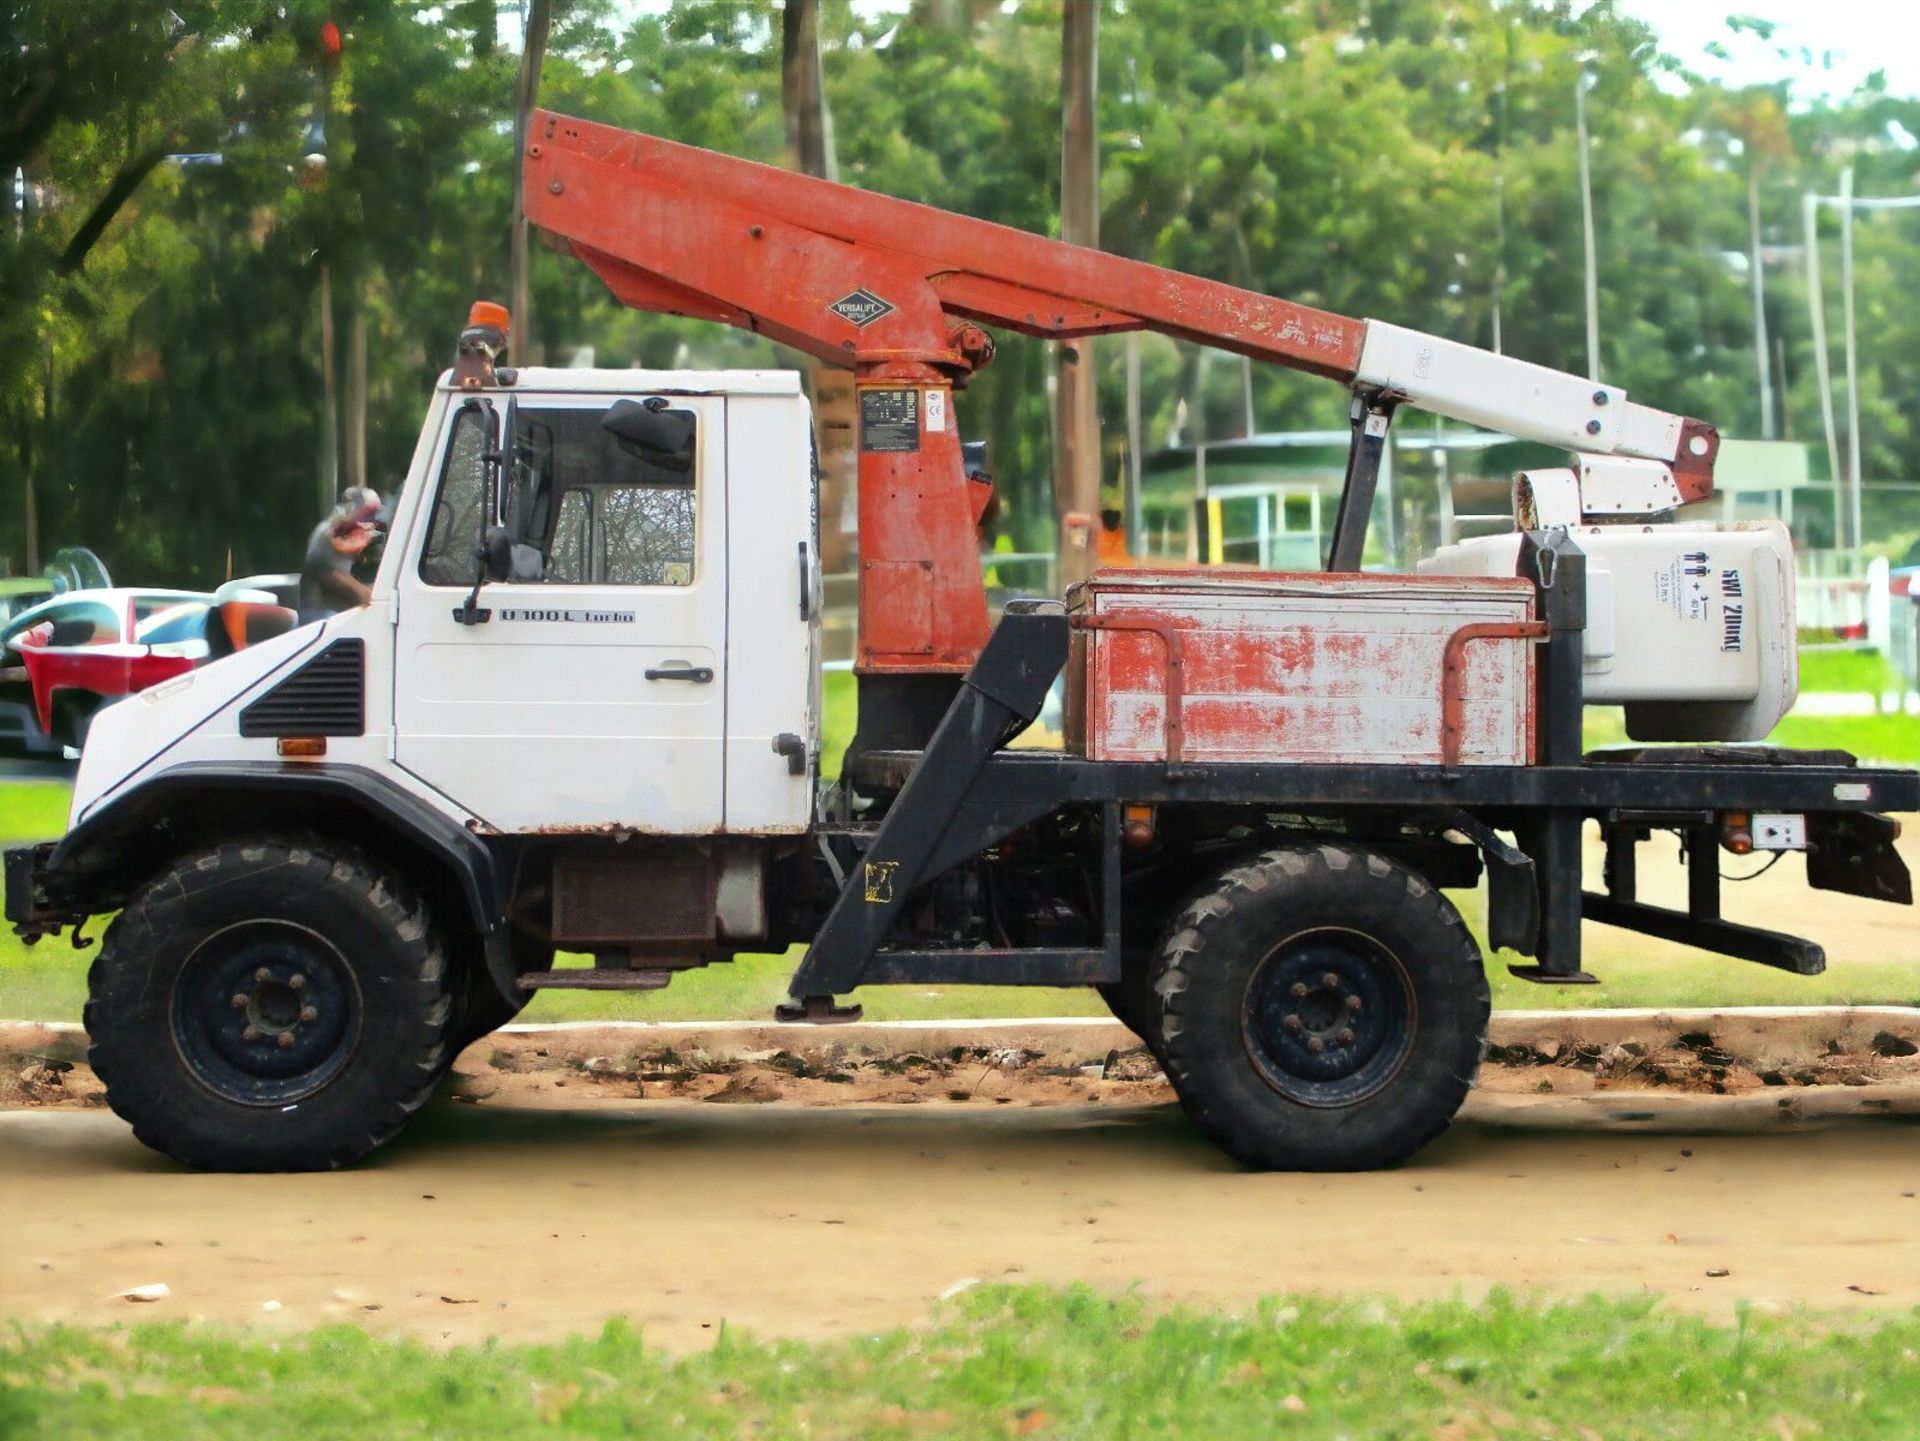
<point x="601" y="512"/>
<point x="583" y="507"/>
<point x="567" y="558"/>
<point x="448" y="558"/>
<point x="646" y="534"/>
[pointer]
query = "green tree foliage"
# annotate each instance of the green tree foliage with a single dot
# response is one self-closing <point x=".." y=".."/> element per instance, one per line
<point x="1413" y="160"/>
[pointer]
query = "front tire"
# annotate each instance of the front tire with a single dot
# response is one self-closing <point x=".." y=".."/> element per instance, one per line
<point x="1322" y="1009"/>
<point x="279" y="1004"/>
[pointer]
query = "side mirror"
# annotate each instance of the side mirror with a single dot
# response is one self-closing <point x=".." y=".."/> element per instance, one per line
<point x="496" y="553"/>
<point x="663" y="437"/>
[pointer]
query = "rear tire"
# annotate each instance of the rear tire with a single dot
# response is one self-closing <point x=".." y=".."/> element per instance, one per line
<point x="277" y="1004"/>
<point x="1322" y="1009"/>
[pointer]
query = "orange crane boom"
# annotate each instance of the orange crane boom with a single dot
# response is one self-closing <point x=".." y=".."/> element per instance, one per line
<point x="897" y="292"/>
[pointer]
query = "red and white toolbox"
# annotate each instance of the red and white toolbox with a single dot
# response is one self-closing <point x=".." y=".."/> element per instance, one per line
<point x="1189" y="666"/>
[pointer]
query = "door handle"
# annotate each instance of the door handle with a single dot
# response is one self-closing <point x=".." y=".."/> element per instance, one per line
<point x="698" y="674"/>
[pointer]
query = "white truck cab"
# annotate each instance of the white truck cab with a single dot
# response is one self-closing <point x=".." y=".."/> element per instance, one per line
<point x="647" y="665"/>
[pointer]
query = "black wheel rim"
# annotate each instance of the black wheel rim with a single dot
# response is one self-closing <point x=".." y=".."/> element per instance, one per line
<point x="1329" y="1017"/>
<point x="266" y="1012"/>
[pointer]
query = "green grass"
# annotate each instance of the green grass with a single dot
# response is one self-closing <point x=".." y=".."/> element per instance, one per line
<point x="1875" y="739"/>
<point x="748" y="989"/>
<point x="47" y="981"/>
<point x="33" y="810"/>
<point x="1846" y="670"/>
<point x="839" y="710"/>
<point x="1008" y="1362"/>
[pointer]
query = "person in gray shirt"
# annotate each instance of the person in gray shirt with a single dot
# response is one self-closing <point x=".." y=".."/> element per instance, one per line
<point x="327" y="581"/>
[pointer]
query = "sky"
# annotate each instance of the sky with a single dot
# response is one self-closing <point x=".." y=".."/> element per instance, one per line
<point x="1831" y="46"/>
<point x="1821" y="47"/>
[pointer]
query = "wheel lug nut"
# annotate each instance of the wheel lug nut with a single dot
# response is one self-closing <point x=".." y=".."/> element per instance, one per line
<point x="1316" y="1045"/>
<point x="296" y="982"/>
<point x="1330" y="981"/>
<point x="1294" y="1023"/>
<point x="1353" y="1004"/>
<point x="1298" y="990"/>
<point x="262" y="976"/>
<point x="239" y="1002"/>
<point x="308" y="1013"/>
<point x="1345" y="1037"/>
<point x="285" y="1040"/>
<point x="252" y="1033"/>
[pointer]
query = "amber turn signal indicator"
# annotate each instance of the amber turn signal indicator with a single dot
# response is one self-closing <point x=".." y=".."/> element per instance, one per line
<point x="302" y="748"/>
<point x="1137" y="826"/>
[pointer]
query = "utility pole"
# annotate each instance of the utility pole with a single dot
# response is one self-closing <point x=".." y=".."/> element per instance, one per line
<point x="809" y="130"/>
<point x="526" y="91"/>
<point x="1762" y="352"/>
<point x="1856" y="535"/>
<point x="1136" y="520"/>
<point x="1077" y="461"/>
<point x="803" y="94"/>
<point x="1586" y="223"/>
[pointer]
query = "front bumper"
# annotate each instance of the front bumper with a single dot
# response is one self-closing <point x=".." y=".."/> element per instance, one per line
<point x="31" y="909"/>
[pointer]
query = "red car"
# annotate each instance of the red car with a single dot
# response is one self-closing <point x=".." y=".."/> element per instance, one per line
<point x="77" y="652"/>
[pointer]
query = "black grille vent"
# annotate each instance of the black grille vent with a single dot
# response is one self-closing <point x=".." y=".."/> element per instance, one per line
<point x="325" y="697"/>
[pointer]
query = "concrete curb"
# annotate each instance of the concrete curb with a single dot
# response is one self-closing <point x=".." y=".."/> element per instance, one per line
<point x="1769" y="1112"/>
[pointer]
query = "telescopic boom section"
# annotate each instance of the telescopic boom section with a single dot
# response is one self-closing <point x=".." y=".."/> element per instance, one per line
<point x="887" y="288"/>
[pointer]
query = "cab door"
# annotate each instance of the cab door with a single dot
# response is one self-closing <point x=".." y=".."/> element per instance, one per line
<point x="588" y="691"/>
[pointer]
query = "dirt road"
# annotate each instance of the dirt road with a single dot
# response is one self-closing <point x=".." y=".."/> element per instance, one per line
<point x="531" y="1221"/>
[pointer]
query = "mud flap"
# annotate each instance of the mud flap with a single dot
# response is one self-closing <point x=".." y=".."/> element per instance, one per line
<point x="1852" y="852"/>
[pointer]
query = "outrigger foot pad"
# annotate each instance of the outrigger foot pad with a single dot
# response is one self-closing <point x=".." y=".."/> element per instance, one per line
<point x="1540" y="976"/>
<point x="815" y="1011"/>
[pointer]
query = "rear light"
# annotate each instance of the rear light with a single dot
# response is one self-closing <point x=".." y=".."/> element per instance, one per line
<point x="1736" y="832"/>
<point x="302" y="748"/>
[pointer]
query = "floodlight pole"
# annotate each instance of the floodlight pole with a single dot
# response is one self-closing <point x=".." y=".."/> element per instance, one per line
<point x="1823" y="365"/>
<point x="1586" y="224"/>
<point x="1855" y="531"/>
<point x="1762" y="352"/>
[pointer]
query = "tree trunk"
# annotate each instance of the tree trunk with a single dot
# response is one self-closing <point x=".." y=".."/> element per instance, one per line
<point x="329" y="399"/>
<point x="526" y="93"/>
<point x="357" y="394"/>
<point x="1077" y="462"/>
<point x="31" y="518"/>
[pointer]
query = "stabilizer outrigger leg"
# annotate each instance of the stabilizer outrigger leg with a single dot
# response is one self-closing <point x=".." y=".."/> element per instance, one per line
<point x="999" y="698"/>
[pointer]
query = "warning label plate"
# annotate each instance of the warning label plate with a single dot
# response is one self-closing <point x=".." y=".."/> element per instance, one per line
<point x="889" y="420"/>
